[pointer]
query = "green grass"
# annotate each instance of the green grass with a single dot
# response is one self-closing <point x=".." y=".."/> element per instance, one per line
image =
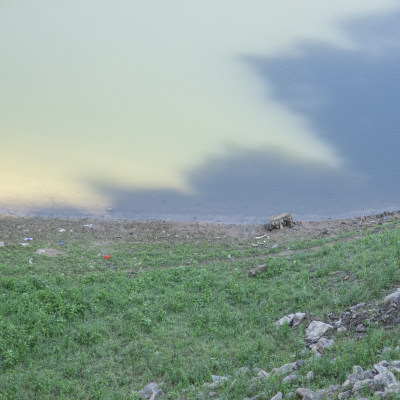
<point x="176" y="311"/>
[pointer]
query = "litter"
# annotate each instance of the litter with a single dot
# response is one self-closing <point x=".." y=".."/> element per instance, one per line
<point x="107" y="257"/>
<point x="24" y="244"/>
<point x="28" y="239"/>
<point x="61" y="230"/>
<point x="31" y="261"/>
<point x="88" y="225"/>
<point x="61" y="243"/>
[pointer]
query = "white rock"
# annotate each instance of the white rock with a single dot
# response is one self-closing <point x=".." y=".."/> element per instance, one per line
<point x="316" y="329"/>
<point x="298" y="319"/>
<point x="151" y="391"/>
<point x="263" y="374"/>
<point x="392" y="299"/>
<point x="324" y="343"/>
<point x="286" y="319"/>
<point x="278" y="396"/>
<point x="2" y="244"/>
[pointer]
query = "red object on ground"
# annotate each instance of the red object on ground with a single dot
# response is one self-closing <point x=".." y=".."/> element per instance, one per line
<point x="107" y="256"/>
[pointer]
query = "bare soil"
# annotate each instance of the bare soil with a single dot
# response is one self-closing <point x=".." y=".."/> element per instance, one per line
<point x="20" y="228"/>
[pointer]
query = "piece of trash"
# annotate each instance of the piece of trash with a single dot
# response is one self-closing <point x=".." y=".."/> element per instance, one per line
<point x="61" y="243"/>
<point x="88" y="225"/>
<point x="31" y="261"/>
<point x="71" y="230"/>
<point x="107" y="257"/>
<point x="28" y="239"/>
<point x="275" y="246"/>
<point x="61" y="230"/>
<point x="40" y="251"/>
<point x="229" y="256"/>
<point x="262" y="237"/>
<point x="24" y="244"/>
<point x="109" y="209"/>
<point x="91" y="266"/>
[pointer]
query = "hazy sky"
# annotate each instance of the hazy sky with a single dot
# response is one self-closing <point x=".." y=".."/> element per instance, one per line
<point x="135" y="93"/>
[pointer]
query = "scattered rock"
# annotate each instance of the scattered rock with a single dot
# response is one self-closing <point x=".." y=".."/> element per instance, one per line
<point x="2" y="244"/>
<point x="290" y="378"/>
<point x="263" y="374"/>
<point x="392" y="299"/>
<point x="360" y="328"/>
<point x="217" y="381"/>
<point x="292" y="319"/>
<point x="151" y="391"/>
<point x="316" y="329"/>
<point x="310" y="375"/>
<point x="323" y="344"/>
<point x="357" y="370"/>
<point x="301" y="393"/>
<point x="258" y="270"/>
<point x="345" y="395"/>
<point x="279" y="221"/>
<point x="298" y="319"/>
<point x="278" y="396"/>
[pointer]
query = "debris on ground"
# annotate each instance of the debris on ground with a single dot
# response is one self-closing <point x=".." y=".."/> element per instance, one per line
<point x="279" y="221"/>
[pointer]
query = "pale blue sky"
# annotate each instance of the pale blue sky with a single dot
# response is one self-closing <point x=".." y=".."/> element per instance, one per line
<point x="138" y="92"/>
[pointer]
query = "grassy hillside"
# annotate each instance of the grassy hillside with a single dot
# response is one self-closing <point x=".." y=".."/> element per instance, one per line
<point x="176" y="309"/>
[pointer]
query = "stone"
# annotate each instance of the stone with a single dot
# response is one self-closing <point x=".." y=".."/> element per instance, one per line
<point x="345" y="395"/>
<point x="263" y="374"/>
<point x="357" y="370"/>
<point x="368" y="374"/>
<point x="287" y="319"/>
<point x="316" y="329"/>
<point x="380" y="368"/>
<point x="278" y="396"/>
<point x="258" y="270"/>
<point x="324" y="343"/>
<point x="284" y="369"/>
<point x="217" y="381"/>
<point x="360" y="328"/>
<point x="299" y="363"/>
<point x="310" y="375"/>
<point x="338" y="323"/>
<point x="279" y="221"/>
<point x="379" y="394"/>
<point x="298" y="319"/>
<point x="370" y="384"/>
<point x="301" y="393"/>
<point x="212" y="394"/>
<point x="290" y="378"/>
<point x="2" y="244"/>
<point x="392" y="299"/>
<point x="385" y="378"/>
<point x="342" y="329"/>
<point x="151" y="391"/>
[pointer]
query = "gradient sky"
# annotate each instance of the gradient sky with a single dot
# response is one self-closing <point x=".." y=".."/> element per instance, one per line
<point x="136" y="93"/>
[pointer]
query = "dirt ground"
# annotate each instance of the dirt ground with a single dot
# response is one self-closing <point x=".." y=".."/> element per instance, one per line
<point x="20" y="228"/>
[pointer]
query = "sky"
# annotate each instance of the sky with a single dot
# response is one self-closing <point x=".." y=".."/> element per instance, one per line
<point x="135" y="94"/>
